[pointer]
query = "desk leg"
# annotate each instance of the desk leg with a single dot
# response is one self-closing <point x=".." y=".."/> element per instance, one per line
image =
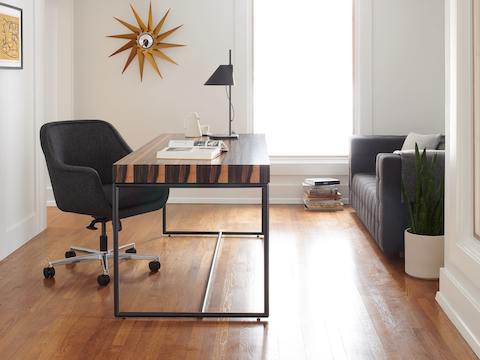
<point x="115" y="226"/>
<point x="266" y="248"/>
<point x="164" y="220"/>
<point x="203" y="313"/>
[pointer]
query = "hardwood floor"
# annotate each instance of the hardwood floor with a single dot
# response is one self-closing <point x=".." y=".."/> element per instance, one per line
<point x="333" y="294"/>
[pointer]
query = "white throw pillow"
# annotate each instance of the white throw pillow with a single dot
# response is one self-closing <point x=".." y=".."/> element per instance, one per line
<point x="429" y="142"/>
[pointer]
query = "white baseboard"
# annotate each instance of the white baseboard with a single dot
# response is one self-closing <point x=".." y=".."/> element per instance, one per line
<point x="50" y="198"/>
<point x="18" y="234"/>
<point x="230" y="200"/>
<point x="225" y="200"/>
<point x="283" y="190"/>
<point x="461" y="308"/>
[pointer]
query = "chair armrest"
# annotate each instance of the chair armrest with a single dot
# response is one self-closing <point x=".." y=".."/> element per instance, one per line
<point x="364" y="150"/>
<point x="79" y="189"/>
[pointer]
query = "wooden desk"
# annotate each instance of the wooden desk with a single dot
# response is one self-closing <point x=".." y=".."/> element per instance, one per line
<point x="247" y="162"/>
<point x="246" y="165"/>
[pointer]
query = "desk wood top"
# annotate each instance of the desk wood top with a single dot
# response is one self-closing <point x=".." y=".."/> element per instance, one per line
<point x="247" y="162"/>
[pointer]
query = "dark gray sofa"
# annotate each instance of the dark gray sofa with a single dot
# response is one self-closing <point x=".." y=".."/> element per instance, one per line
<point x="375" y="189"/>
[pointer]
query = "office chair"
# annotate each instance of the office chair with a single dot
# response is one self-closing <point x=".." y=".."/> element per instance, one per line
<point x="79" y="156"/>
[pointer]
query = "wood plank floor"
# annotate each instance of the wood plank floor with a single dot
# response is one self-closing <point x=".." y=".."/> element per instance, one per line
<point x="333" y="294"/>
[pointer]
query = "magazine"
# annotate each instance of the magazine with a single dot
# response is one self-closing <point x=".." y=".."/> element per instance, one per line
<point x="193" y="149"/>
<point x="198" y="143"/>
<point x="321" y="181"/>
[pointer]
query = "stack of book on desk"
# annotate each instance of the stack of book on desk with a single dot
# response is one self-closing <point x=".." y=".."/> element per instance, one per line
<point x="192" y="150"/>
<point x="321" y="194"/>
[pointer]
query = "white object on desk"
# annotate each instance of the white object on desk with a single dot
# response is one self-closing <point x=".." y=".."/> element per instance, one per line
<point x="192" y="149"/>
<point x="205" y="130"/>
<point x="189" y="153"/>
<point x="192" y="125"/>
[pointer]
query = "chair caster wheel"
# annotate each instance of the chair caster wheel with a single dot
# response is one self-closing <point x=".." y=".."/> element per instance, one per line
<point x="49" y="272"/>
<point x="154" y="266"/>
<point x="131" y="251"/>
<point x="103" y="280"/>
<point x="70" y="254"/>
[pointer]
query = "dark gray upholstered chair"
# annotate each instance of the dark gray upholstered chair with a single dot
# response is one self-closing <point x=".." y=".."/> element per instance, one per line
<point x="375" y="189"/>
<point x="79" y="156"/>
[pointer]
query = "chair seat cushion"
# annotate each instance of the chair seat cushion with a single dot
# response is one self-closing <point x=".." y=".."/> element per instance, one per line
<point x="136" y="196"/>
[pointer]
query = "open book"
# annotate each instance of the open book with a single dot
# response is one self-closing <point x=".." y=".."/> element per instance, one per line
<point x="192" y="149"/>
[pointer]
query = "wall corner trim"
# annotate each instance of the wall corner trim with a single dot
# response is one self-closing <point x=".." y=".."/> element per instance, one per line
<point x="461" y="308"/>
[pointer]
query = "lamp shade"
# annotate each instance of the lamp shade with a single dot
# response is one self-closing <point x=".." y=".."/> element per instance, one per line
<point x="222" y="76"/>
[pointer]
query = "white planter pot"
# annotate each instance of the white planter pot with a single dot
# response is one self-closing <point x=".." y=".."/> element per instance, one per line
<point x="423" y="255"/>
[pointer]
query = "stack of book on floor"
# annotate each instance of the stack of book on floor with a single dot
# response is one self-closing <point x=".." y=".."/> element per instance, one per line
<point x="321" y="194"/>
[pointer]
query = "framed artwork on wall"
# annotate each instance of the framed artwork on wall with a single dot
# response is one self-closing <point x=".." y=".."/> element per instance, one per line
<point x="476" y="112"/>
<point x="11" y="37"/>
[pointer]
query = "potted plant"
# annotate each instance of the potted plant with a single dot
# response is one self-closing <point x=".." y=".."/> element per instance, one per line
<point x="424" y="240"/>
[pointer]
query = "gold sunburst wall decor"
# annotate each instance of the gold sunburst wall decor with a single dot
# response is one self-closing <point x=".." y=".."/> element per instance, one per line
<point x="146" y="41"/>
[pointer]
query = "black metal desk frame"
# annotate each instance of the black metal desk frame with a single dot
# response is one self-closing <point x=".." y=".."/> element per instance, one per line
<point x="203" y="313"/>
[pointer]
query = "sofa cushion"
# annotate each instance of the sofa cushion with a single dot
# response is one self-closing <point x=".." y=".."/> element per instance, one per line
<point x="441" y="146"/>
<point x="364" y="199"/>
<point x="429" y="142"/>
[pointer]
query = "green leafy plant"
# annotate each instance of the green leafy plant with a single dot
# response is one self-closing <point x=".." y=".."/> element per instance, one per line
<point x="426" y="211"/>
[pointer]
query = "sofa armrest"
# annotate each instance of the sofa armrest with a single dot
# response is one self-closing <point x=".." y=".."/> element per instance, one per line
<point x="391" y="210"/>
<point x="364" y="150"/>
<point x="389" y="177"/>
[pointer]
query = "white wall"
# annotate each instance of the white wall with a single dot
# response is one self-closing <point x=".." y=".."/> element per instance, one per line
<point x="59" y="69"/>
<point x="459" y="293"/>
<point x="401" y="87"/>
<point x="22" y="209"/>
<point x="406" y="53"/>
<point x="405" y="89"/>
<point x="142" y="110"/>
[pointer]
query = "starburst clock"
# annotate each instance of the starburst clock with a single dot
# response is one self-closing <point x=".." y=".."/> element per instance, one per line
<point x="146" y="41"/>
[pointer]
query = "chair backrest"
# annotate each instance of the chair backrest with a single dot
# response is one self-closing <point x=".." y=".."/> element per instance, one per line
<point x="89" y="143"/>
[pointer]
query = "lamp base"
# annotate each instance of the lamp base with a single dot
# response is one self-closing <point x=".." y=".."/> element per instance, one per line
<point x="233" y="136"/>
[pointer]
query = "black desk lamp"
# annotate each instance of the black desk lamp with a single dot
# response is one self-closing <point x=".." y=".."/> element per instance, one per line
<point x="223" y="76"/>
